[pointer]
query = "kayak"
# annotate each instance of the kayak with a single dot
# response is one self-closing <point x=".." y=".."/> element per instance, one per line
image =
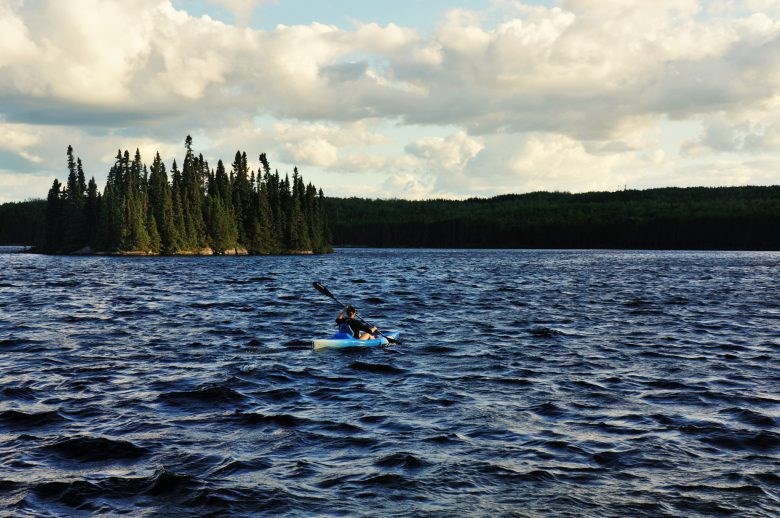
<point x="342" y="339"/>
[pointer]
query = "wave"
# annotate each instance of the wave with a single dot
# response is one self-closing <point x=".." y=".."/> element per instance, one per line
<point x="94" y="449"/>
<point x="545" y="332"/>
<point x="388" y="481"/>
<point x="21" y="345"/>
<point x="18" y="419"/>
<point x="206" y="395"/>
<point x="20" y="393"/>
<point x="258" y="418"/>
<point x="376" y="368"/>
<point x="750" y="417"/>
<point x="401" y="460"/>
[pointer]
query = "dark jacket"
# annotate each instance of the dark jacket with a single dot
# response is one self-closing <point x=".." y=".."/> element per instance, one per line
<point x="356" y="325"/>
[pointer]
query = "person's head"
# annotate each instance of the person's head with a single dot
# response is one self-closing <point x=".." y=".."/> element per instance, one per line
<point x="351" y="311"/>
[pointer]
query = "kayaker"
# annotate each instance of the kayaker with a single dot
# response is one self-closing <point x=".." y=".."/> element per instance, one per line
<point x="360" y="329"/>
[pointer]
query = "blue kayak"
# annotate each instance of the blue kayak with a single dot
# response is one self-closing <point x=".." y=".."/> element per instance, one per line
<point x="345" y="339"/>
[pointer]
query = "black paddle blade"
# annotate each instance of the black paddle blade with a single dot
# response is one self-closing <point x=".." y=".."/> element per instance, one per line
<point x="322" y="289"/>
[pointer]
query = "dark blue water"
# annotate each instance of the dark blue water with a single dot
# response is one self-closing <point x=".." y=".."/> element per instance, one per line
<point x="594" y="383"/>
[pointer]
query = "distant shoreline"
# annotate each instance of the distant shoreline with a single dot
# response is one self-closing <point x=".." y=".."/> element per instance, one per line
<point x="26" y="249"/>
<point x="695" y="218"/>
<point x="22" y="249"/>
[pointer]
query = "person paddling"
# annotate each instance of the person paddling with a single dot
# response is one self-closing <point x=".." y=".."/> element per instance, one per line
<point x="360" y="329"/>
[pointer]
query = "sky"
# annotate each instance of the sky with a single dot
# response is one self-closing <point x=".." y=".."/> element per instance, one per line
<point x="408" y="99"/>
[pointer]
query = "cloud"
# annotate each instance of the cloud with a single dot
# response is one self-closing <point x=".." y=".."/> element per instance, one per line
<point x="19" y="139"/>
<point x="242" y="9"/>
<point x="537" y="97"/>
<point x="446" y="159"/>
<point x="16" y="187"/>
<point x="15" y="44"/>
<point x="581" y="69"/>
<point x="750" y="132"/>
<point x="497" y="164"/>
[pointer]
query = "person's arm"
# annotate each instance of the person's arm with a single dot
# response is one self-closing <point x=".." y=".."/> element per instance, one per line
<point x="341" y="319"/>
<point x="365" y="327"/>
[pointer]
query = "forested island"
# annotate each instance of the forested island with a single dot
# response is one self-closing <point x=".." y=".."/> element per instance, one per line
<point x="725" y="218"/>
<point x="199" y="211"/>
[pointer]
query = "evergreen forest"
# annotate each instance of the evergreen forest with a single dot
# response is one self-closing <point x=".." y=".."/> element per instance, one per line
<point x="725" y="218"/>
<point x="22" y="222"/>
<point x="193" y="210"/>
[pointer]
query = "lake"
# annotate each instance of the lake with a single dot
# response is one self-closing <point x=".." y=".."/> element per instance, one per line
<point x="602" y="383"/>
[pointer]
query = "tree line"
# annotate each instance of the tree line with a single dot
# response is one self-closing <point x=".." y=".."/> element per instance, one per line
<point x="194" y="210"/>
<point x="737" y="218"/>
<point x="728" y="218"/>
<point x="22" y="222"/>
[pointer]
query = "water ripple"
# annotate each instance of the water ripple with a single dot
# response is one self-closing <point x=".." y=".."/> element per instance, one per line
<point x="603" y="383"/>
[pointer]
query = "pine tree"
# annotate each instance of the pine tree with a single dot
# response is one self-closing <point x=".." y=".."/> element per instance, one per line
<point x="74" y="226"/>
<point x="226" y="218"/>
<point x="272" y="189"/>
<point x="285" y="214"/>
<point x="177" y="194"/>
<point x="222" y="227"/>
<point x="54" y="218"/>
<point x="222" y="182"/>
<point x="155" y="244"/>
<point x="80" y="179"/>
<point x="313" y="216"/>
<point x="299" y="232"/>
<point x="91" y="212"/>
<point x="192" y="199"/>
<point x="136" y="237"/>
<point x="161" y="207"/>
<point x="327" y="238"/>
<point x="72" y="191"/>
<point x="242" y="194"/>
<point x="263" y="237"/>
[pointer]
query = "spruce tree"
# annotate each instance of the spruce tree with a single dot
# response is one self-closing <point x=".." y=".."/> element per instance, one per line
<point x="91" y="212"/>
<point x="272" y="188"/>
<point x="222" y="229"/>
<point x="229" y="225"/>
<point x="222" y="182"/>
<point x="177" y="196"/>
<point x="162" y="207"/>
<point x="263" y="238"/>
<point x="80" y="179"/>
<point x="299" y="232"/>
<point x="74" y="226"/>
<point x="155" y="244"/>
<point x="111" y="226"/>
<point x="242" y="193"/>
<point x="136" y="237"/>
<point x="192" y="199"/>
<point x="327" y="238"/>
<point x="313" y="218"/>
<point x="53" y="234"/>
<point x="266" y="166"/>
<point x="72" y="191"/>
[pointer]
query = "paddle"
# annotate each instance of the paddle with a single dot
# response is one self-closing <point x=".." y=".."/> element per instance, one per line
<point x="325" y="291"/>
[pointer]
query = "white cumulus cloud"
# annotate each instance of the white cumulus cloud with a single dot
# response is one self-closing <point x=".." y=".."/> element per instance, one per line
<point x="560" y="96"/>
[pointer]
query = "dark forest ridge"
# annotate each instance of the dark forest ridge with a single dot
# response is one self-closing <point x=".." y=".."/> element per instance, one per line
<point x="728" y="218"/>
<point x="744" y="218"/>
